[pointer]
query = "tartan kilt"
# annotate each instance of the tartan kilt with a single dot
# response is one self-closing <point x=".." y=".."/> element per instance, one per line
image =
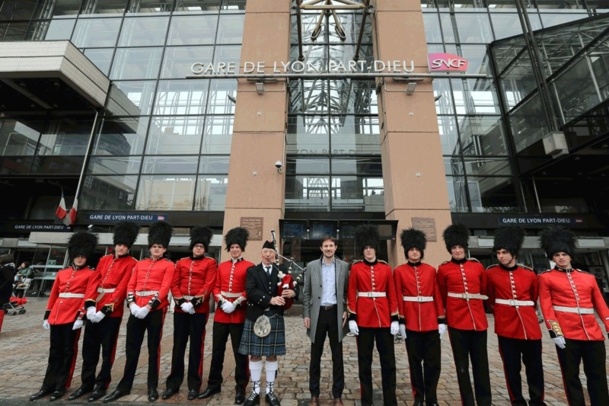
<point x="273" y="344"/>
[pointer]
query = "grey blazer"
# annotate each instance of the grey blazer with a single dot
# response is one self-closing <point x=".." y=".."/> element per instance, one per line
<point x="311" y="301"/>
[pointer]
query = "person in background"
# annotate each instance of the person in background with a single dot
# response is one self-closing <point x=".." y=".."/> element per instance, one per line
<point x="462" y="282"/>
<point x="147" y="297"/>
<point x="373" y="315"/>
<point x="513" y="291"/>
<point x="7" y="277"/>
<point x="64" y="314"/>
<point x="105" y="307"/>
<point x="191" y="289"/>
<point x="324" y="311"/>
<point x="229" y="318"/>
<point x="269" y="293"/>
<point x="568" y="298"/>
<point x="422" y="320"/>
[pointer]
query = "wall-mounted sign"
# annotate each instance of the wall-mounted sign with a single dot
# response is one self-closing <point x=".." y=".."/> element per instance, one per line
<point x="97" y="218"/>
<point x="427" y="225"/>
<point x="542" y="220"/>
<point x="254" y="226"/>
<point x="442" y="62"/>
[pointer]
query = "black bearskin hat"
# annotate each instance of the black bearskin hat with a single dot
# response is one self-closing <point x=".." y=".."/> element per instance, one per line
<point x="237" y="235"/>
<point x="268" y="244"/>
<point x="366" y="235"/>
<point x="159" y="233"/>
<point x="557" y="239"/>
<point x="509" y="238"/>
<point x="125" y="232"/>
<point x="413" y="238"/>
<point x="200" y="235"/>
<point x="456" y="234"/>
<point x="82" y="244"/>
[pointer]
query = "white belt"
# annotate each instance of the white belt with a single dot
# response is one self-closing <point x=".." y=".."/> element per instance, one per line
<point x="146" y="293"/>
<point x="467" y="296"/>
<point x="419" y="299"/>
<point x="371" y="294"/>
<point x="229" y="294"/>
<point x="577" y="310"/>
<point x="513" y="302"/>
<point x="102" y="290"/>
<point x="68" y="295"/>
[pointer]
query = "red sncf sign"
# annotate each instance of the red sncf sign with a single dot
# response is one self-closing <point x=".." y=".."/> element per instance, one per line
<point x="441" y="62"/>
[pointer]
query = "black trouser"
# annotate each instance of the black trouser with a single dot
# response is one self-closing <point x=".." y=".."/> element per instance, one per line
<point x="514" y="352"/>
<point x="221" y="332"/>
<point x="102" y="335"/>
<point x="327" y="324"/>
<point x="136" y="328"/>
<point x="62" y="357"/>
<point x="592" y="353"/>
<point x="386" y="350"/>
<point x="424" y="361"/>
<point x="466" y="345"/>
<point x="187" y="326"/>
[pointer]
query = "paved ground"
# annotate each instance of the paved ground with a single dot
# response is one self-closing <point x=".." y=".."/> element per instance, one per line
<point x="24" y="350"/>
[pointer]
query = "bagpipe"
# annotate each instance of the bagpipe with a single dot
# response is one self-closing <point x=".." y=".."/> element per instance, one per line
<point x="288" y="282"/>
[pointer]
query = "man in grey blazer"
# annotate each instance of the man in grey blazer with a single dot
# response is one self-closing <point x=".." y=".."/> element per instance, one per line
<point x="324" y="312"/>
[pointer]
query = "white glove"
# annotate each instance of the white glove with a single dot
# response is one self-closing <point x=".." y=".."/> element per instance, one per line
<point x="77" y="324"/>
<point x="395" y="328"/>
<point x="46" y="325"/>
<point x="228" y="307"/>
<point x="99" y="316"/>
<point x="142" y="313"/>
<point x="91" y="314"/>
<point x="442" y="329"/>
<point x="135" y="309"/>
<point x="353" y="327"/>
<point x="187" y="307"/>
<point x="403" y="331"/>
<point x="560" y="342"/>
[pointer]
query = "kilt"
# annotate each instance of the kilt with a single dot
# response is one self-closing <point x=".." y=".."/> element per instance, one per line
<point x="273" y="344"/>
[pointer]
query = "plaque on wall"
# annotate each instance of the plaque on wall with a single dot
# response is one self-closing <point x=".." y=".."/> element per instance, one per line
<point x="254" y="226"/>
<point x="427" y="225"/>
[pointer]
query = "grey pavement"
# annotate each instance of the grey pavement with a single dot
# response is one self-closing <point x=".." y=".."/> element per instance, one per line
<point x="24" y="352"/>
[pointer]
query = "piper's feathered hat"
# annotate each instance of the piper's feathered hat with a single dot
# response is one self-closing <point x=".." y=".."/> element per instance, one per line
<point x="125" y="232"/>
<point x="557" y="239"/>
<point x="159" y="233"/>
<point x="509" y="238"/>
<point x="200" y="235"/>
<point x="81" y="244"/>
<point x="413" y="238"/>
<point x="268" y="244"/>
<point x="366" y="235"/>
<point x="456" y="234"/>
<point x="237" y="235"/>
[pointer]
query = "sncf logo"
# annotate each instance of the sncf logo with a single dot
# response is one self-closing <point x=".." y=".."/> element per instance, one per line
<point x="440" y="62"/>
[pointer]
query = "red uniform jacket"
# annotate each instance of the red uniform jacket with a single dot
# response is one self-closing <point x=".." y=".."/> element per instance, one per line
<point x="518" y="283"/>
<point x="574" y="289"/>
<point x="466" y="277"/>
<point x="418" y="280"/>
<point x="194" y="279"/>
<point x="68" y="295"/>
<point x="230" y="285"/>
<point x="376" y="279"/>
<point x="150" y="281"/>
<point x="110" y="293"/>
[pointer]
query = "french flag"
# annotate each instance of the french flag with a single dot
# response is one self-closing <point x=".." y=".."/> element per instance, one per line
<point x="70" y="218"/>
<point x="61" y="210"/>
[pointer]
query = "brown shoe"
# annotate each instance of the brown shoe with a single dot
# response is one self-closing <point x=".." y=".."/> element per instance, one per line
<point x="314" y="401"/>
<point x="338" y="401"/>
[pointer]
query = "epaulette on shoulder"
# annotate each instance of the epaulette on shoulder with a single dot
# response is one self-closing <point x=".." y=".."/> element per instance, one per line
<point x="382" y="262"/>
<point x="582" y="271"/>
<point x="445" y="262"/>
<point x="544" y="271"/>
<point x="357" y="260"/>
<point x="492" y="266"/>
<point x="528" y="268"/>
<point x="473" y="259"/>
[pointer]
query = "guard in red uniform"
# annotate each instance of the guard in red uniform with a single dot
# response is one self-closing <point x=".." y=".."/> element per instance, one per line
<point x="191" y="289"/>
<point x="568" y="298"/>
<point x="64" y="313"/>
<point x="229" y="292"/>
<point x="373" y="315"/>
<point x="512" y="295"/>
<point x="422" y="321"/>
<point x="105" y="305"/>
<point x="462" y="283"/>
<point x="147" y="292"/>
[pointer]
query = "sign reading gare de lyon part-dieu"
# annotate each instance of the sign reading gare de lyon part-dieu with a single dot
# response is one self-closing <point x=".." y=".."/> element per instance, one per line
<point x="437" y="62"/>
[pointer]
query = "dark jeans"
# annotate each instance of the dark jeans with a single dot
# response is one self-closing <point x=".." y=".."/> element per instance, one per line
<point x="327" y="324"/>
